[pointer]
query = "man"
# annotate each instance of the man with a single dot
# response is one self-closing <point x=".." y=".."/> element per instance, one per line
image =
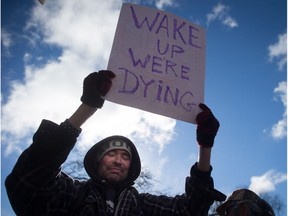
<point x="37" y="186"/>
<point x="244" y="202"/>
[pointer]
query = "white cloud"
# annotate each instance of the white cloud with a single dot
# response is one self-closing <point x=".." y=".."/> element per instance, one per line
<point x="267" y="182"/>
<point x="220" y="12"/>
<point x="85" y="27"/>
<point x="278" y="51"/>
<point x="84" y="32"/>
<point x="6" y="38"/>
<point x="231" y="22"/>
<point x="217" y="12"/>
<point x="6" y="42"/>
<point x="279" y="130"/>
<point x="160" y="4"/>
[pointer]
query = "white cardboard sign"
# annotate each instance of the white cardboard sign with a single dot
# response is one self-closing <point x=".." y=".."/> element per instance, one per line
<point x="159" y="62"/>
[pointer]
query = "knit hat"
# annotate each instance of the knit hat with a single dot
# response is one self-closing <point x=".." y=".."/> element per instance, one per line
<point x="111" y="145"/>
<point x="96" y="152"/>
<point x="248" y="198"/>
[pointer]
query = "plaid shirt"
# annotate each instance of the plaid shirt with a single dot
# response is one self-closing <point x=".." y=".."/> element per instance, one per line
<point x="37" y="186"/>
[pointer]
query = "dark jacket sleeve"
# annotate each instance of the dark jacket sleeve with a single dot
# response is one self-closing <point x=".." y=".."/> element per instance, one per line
<point x="200" y="195"/>
<point x="37" y="177"/>
<point x="200" y="191"/>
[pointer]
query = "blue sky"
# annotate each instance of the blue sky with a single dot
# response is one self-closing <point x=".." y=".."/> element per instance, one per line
<point x="48" y="50"/>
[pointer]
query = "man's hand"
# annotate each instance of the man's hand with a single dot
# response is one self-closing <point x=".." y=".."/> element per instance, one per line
<point x="95" y="85"/>
<point x="207" y="127"/>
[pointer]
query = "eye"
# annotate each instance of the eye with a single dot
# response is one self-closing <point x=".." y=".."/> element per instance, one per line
<point x="111" y="153"/>
<point x="126" y="156"/>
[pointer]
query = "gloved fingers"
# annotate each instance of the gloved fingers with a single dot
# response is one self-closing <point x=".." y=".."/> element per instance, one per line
<point x="100" y="81"/>
<point x="206" y="118"/>
<point x="207" y="126"/>
<point x="105" y="82"/>
<point x="90" y="79"/>
<point x="107" y="73"/>
<point x="204" y="107"/>
<point x="105" y="87"/>
<point x="203" y="117"/>
<point x="97" y="77"/>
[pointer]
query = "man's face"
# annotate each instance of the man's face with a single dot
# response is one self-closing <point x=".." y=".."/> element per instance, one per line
<point x="114" y="166"/>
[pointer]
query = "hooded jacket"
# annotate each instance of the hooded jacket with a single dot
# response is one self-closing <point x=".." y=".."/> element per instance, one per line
<point x="91" y="161"/>
<point x="37" y="186"/>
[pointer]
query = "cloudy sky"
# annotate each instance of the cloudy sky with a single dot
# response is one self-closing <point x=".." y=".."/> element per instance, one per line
<point x="47" y="50"/>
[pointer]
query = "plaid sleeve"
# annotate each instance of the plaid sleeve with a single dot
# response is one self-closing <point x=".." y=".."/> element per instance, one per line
<point x="154" y="205"/>
<point x="197" y="200"/>
<point x="200" y="191"/>
<point x="194" y="204"/>
<point x="36" y="179"/>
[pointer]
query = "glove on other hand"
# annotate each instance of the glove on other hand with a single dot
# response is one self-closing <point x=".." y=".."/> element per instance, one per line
<point x="95" y="85"/>
<point x="207" y="127"/>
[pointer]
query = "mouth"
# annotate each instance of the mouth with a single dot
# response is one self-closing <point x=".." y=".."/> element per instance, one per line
<point x="115" y="170"/>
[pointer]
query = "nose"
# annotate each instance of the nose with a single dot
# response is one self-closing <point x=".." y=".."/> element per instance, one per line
<point x="118" y="159"/>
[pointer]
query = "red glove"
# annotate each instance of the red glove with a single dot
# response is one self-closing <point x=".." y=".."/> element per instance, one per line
<point x="96" y="85"/>
<point x="207" y="127"/>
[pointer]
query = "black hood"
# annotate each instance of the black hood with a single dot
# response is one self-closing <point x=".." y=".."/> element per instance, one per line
<point x="91" y="162"/>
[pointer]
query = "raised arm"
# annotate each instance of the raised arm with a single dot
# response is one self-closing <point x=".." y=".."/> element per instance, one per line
<point x="207" y="127"/>
<point x="37" y="178"/>
<point x="95" y="86"/>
